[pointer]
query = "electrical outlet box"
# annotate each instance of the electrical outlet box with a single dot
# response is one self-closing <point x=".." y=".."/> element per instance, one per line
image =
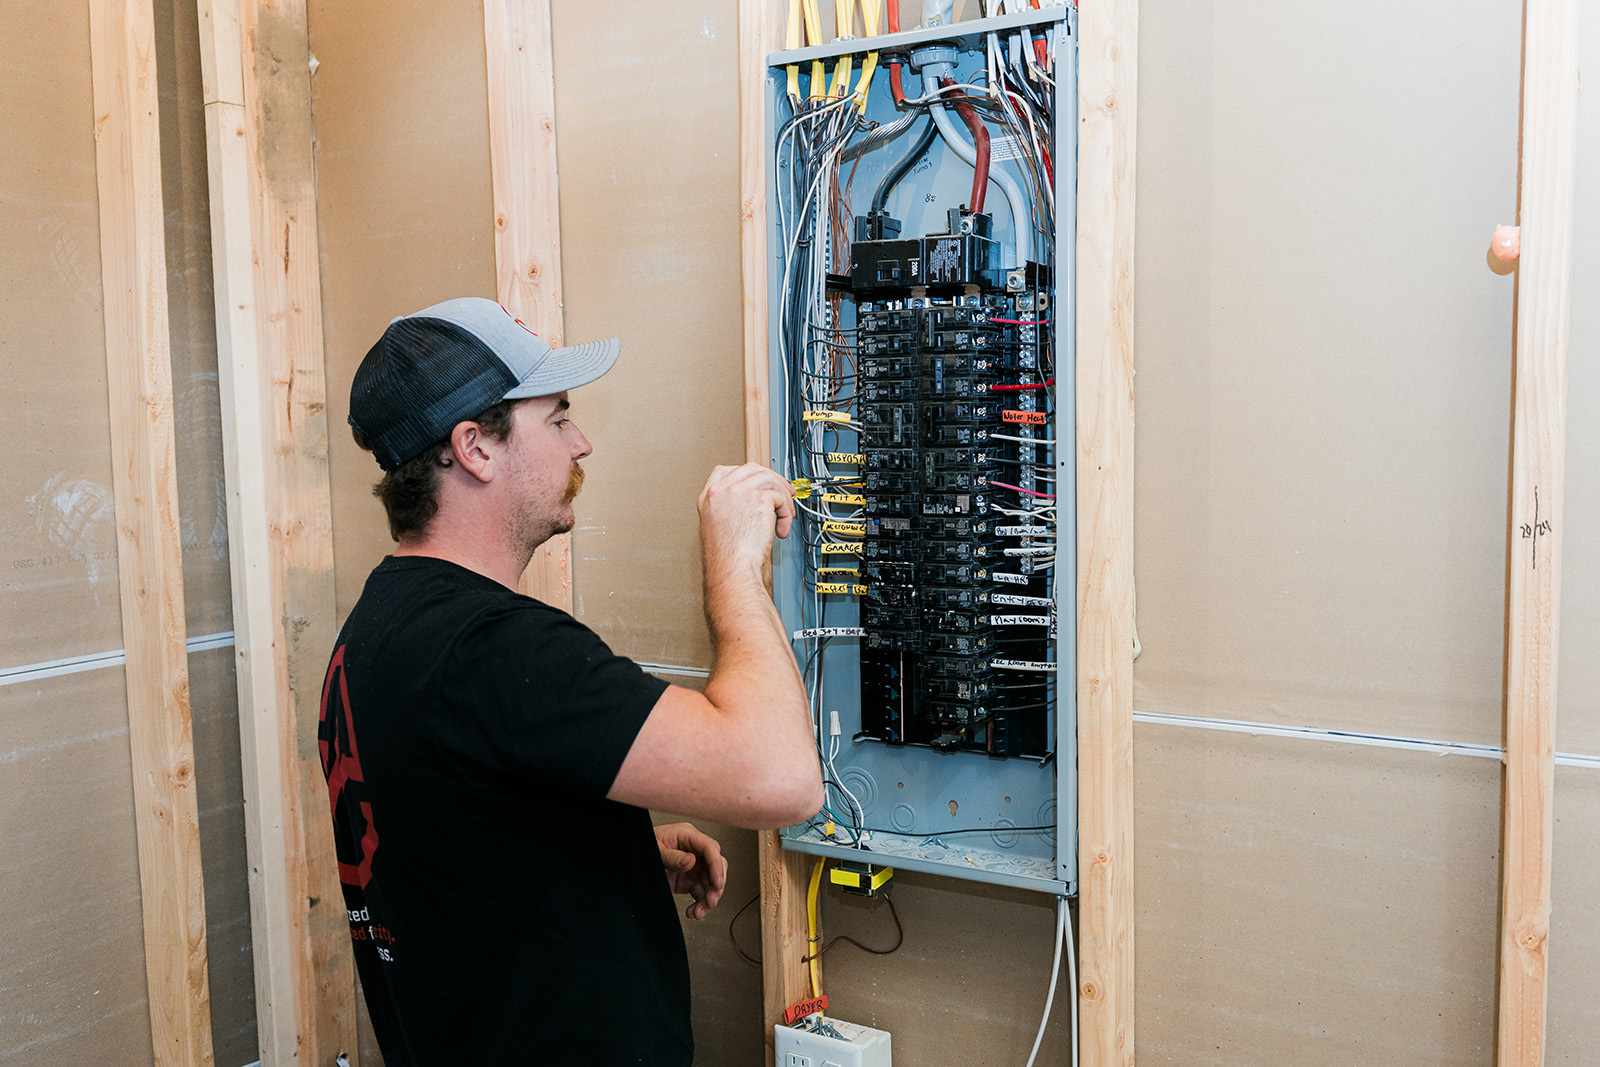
<point x="856" y="1046"/>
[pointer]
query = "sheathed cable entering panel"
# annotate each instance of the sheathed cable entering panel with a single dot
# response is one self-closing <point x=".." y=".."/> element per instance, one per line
<point x="968" y="152"/>
<point x="902" y="168"/>
<point x="896" y="89"/>
<point x="980" y="141"/>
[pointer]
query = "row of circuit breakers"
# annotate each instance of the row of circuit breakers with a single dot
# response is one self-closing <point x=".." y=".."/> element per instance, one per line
<point x="956" y="594"/>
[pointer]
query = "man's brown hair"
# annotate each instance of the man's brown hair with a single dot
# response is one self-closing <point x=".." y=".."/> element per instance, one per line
<point x="410" y="492"/>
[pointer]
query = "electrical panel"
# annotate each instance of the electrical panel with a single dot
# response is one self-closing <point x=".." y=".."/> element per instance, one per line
<point x="921" y="369"/>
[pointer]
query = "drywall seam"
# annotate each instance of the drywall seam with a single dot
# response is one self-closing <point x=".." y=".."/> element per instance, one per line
<point x="94" y="661"/>
<point x="1312" y="733"/>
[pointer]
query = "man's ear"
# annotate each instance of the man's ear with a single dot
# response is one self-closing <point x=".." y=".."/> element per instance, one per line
<point x="469" y="450"/>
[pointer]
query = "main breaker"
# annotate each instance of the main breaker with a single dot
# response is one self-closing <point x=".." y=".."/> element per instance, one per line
<point x="923" y="187"/>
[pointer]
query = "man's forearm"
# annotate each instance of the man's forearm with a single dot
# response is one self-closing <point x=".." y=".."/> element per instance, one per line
<point x="754" y="671"/>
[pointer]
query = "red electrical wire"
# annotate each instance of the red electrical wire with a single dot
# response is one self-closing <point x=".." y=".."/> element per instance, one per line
<point x="895" y="88"/>
<point x="1019" y="489"/>
<point x="980" y="138"/>
<point x="1038" y="44"/>
<point x="1047" y="383"/>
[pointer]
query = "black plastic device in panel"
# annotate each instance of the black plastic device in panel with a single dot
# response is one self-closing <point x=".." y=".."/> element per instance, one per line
<point x="936" y="332"/>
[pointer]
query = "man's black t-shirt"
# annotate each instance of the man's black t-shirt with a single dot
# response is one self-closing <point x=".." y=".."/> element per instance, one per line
<point x="502" y="910"/>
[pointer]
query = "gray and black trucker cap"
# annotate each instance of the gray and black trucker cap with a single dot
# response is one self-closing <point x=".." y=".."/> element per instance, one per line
<point x="445" y="363"/>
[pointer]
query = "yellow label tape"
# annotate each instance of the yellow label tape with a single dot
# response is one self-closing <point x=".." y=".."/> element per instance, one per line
<point x="851" y="529"/>
<point x="836" y="570"/>
<point x="847" y="457"/>
<point x="827" y="416"/>
<point x="841" y="587"/>
<point x="844" y="498"/>
<point x="842" y="548"/>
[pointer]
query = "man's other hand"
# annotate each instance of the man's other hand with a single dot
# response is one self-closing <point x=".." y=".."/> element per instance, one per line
<point x="694" y="865"/>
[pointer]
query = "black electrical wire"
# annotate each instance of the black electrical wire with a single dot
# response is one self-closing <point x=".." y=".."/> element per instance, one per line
<point x="902" y="168"/>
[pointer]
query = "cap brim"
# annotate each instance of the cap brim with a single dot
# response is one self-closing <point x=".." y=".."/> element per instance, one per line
<point x="568" y="368"/>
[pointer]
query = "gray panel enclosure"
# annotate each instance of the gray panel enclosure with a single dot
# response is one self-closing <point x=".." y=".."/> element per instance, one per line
<point x="912" y="790"/>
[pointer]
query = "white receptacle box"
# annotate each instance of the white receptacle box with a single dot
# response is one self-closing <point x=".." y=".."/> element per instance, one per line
<point x="856" y="1046"/>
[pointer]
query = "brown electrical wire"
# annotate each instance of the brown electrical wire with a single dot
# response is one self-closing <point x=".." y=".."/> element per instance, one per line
<point x="899" y="929"/>
<point x="736" y="946"/>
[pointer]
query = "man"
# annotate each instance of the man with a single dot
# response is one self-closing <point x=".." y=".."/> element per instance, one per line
<point x="489" y="760"/>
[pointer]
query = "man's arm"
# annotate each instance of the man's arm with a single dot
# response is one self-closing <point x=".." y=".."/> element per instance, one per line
<point x="742" y="752"/>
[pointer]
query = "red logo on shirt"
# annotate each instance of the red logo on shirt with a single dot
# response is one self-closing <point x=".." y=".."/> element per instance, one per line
<point x="355" y="834"/>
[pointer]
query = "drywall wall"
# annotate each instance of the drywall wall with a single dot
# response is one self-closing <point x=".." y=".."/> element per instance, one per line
<point x="1324" y="360"/>
<point x="646" y="235"/>
<point x="1324" y="364"/>
<point x="72" y="989"/>
<point x="72" y="981"/>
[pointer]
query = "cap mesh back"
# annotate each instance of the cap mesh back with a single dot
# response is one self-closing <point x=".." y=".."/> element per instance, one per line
<point x="420" y="379"/>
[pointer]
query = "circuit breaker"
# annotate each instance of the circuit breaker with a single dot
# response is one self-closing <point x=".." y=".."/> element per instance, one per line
<point x="920" y="282"/>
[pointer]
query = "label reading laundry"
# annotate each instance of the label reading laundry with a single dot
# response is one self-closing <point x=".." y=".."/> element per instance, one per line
<point x="1013" y="579"/>
<point x="836" y="570"/>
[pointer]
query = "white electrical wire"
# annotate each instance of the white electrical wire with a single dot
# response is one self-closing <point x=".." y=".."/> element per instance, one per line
<point x="1063" y="924"/>
<point x="1023" y="440"/>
